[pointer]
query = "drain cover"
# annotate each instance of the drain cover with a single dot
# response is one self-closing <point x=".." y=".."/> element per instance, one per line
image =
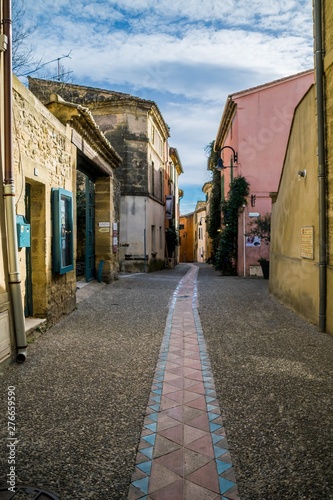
<point x="26" y="493"/>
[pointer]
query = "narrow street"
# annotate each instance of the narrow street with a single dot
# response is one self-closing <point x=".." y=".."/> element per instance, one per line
<point x="93" y="387"/>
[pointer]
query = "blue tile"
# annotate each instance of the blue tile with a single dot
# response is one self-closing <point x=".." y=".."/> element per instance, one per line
<point x="153" y="416"/>
<point x="218" y="452"/>
<point x="142" y="484"/>
<point x="145" y="467"/>
<point x="216" y="438"/>
<point x="150" y="439"/>
<point x="155" y="407"/>
<point x="209" y="399"/>
<point x="221" y="466"/>
<point x="212" y="416"/>
<point x="148" y="452"/>
<point x="213" y="407"/>
<point x="157" y="399"/>
<point x="225" y="484"/>
<point x="214" y="427"/>
<point x="151" y="427"/>
<point x="157" y="391"/>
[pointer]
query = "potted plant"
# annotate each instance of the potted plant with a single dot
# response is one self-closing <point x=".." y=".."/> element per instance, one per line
<point x="261" y="228"/>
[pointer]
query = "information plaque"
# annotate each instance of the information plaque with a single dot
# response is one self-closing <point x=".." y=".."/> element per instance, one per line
<point x="307" y="251"/>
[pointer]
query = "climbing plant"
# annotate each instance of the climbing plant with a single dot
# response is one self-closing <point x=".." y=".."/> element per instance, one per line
<point x="214" y="219"/>
<point x="226" y="254"/>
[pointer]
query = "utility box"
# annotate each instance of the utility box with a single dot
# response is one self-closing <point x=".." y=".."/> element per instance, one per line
<point x="23" y="232"/>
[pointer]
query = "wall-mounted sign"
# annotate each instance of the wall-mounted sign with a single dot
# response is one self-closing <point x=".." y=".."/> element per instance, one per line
<point x="104" y="224"/>
<point x="307" y="244"/>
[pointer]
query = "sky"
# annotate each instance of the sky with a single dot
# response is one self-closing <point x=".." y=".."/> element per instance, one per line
<point x="187" y="56"/>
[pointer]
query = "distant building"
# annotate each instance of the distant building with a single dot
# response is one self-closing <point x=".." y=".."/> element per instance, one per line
<point x="187" y="238"/>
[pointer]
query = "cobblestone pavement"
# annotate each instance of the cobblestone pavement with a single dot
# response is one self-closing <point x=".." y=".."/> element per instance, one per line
<point x="82" y="394"/>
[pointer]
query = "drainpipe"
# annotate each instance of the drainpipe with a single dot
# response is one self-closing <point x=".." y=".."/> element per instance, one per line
<point x="9" y="193"/>
<point x="319" y="56"/>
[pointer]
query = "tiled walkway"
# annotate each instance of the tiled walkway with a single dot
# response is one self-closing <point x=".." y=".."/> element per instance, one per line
<point x="183" y="452"/>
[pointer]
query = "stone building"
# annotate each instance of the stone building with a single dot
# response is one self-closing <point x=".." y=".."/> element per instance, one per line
<point x="48" y="154"/>
<point x="139" y="134"/>
<point x="301" y="266"/>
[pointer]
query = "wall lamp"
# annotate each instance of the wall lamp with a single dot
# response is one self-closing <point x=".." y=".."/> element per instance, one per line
<point x="301" y="174"/>
<point x="220" y="165"/>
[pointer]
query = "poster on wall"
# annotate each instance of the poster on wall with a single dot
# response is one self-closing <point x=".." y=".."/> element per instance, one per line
<point x="253" y="241"/>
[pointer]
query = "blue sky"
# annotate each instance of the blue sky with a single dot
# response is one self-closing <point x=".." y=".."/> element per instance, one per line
<point x="187" y="56"/>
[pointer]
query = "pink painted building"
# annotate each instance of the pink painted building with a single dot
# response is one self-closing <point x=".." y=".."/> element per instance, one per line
<point x="256" y="124"/>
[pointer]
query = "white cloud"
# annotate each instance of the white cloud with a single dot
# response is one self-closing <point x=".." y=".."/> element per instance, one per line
<point x="186" y="55"/>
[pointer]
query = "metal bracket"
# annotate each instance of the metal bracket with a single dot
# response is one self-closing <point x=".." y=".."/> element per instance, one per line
<point x="3" y="43"/>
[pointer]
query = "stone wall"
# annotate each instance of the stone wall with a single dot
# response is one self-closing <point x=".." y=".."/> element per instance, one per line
<point x="44" y="158"/>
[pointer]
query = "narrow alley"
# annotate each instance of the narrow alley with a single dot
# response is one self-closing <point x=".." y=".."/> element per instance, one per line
<point x="174" y="385"/>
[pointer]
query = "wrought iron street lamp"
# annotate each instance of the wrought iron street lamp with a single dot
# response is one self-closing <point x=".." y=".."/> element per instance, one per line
<point x="220" y="165"/>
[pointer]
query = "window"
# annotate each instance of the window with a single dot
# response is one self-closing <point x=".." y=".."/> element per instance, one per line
<point x="62" y="231"/>
<point x="153" y="239"/>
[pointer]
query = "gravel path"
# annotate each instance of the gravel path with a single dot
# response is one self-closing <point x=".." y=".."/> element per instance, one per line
<point x="83" y="390"/>
<point x="273" y="376"/>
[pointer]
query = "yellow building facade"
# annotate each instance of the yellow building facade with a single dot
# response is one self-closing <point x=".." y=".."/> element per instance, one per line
<point x="301" y="272"/>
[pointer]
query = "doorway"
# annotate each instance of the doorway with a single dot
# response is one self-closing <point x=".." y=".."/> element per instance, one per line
<point x="85" y="223"/>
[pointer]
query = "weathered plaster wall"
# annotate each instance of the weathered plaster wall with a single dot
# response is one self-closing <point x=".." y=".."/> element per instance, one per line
<point x="293" y="279"/>
<point x="44" y="158"/>
<point x="328" y="67"/>
<point x="259" y="134"/>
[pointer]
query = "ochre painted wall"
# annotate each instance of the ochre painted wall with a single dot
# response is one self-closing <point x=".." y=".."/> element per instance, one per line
<point x="294" y="279"/>
<point x="328" y="68"/>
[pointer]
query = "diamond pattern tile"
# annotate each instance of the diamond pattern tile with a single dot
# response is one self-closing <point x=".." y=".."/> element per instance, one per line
<point x="183" y="452"/>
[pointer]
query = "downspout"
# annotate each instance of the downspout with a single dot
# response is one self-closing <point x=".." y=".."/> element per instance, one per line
<point x="14" y="279"/>
<point x="319" y="51"/>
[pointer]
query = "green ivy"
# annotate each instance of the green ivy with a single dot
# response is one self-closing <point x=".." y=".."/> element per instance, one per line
<point x="226" y="255"/>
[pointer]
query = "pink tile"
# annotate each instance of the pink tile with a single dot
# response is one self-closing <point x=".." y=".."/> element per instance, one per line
<point x="177" y="396"/>
<point x="203" y="445"/>
<point x="174" y="491"/>
<point x="161" y="477"/>
<point x="198" y="388"/>
<point x="188" y="383"/>
<point x="193" y="434"/>
<point x="164" y="446"/>
<point x="167" y="388"/>
<point x="178" y="382"/>
<point x="175" y="434"/>
<point x="193" y="461"/>
<point x="199" y="403"/>
<point x="190" y="396"/>
<point x="176" y="413"/>
<point x="189" y="413"/>
<point x="206" y="477"/>
<point x="194" y="492"/>
<point x="200" y="422"/>
<point x="196" y="375"/>
<point x="167" y="403"/>
<point x="193" y="363"/>
<point x="165" y="422"/>
<point x="173" y="461"/>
